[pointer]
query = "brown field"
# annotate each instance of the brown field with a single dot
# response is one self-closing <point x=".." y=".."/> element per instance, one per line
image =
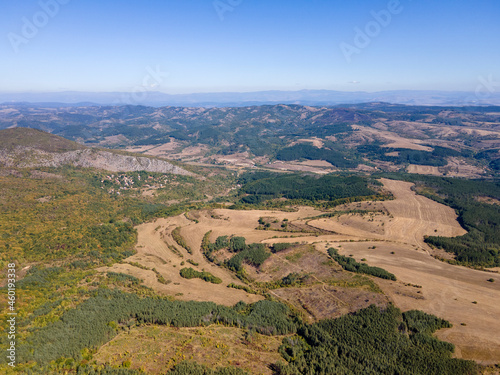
<point x="410" y="218"/>
<point x="449" y="292"/>
<point x="313" y="166"/>
<point x="156" y="349"/>
<point x="424" y="169"/>
<point x="461" y="295"/>
<point x="114" y="139"/>
<point x="393" y="140"/>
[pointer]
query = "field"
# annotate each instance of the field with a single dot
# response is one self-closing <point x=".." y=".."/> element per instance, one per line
<point x="159" y="348"/>
<point x="406" y="219"/>
<point x="461" y="295"/>
<point x="388" y="234"/>
<point x="157" y="249"/>
<point x="449" y="291"/>
<point x="393" y="140"/>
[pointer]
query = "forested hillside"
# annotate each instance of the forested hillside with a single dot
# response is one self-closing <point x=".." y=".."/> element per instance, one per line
<point x="329" y="190"/>
<point x="345" y="136"/>
<point x="372" y="342"/>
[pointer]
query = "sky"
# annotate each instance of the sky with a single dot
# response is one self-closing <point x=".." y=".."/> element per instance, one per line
<point x="188" y="46"/>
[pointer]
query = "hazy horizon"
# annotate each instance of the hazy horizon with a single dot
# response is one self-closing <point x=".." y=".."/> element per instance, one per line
<point x="247" y="46"/>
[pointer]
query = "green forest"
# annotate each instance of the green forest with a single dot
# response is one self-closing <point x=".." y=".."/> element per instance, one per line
<point x="306" y="151"/>
<point x="259" y="187"/>
<point x="371" y="341"/>
<point x="349" y="264"/>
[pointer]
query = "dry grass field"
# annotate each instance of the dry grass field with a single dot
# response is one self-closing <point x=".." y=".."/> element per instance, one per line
<point x="459" y="294"/>
<point x="406" y="219"/>
<point x="389" y="235"/>
<point x="312" y="166"/>
<point x="393" y="140"/>
<point x="424" y="169"/>
<point x="327" y="291"/>
<point x="159" y="348"/>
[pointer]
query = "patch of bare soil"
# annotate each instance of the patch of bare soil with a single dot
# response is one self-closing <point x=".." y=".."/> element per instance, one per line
<point x="326" y="301"/>
<point x="300" y="167"/>
<point x="424" y="169"/>
<point x="488" y="200"/>
<point x="458" y="167"/>
<point x="392" y="140"/>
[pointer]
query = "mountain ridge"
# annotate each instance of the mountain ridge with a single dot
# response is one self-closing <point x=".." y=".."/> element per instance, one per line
<point x="221" y="99"/>
<point x="33" y="148"/>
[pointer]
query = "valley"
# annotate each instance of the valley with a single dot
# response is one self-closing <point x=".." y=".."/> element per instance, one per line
<point x="236" y="187"/>
<point x="218" y="233"/>
<point x="390" y="236"/>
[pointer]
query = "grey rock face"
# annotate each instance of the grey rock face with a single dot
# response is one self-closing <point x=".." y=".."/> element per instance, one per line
<point x="88" y="158"/>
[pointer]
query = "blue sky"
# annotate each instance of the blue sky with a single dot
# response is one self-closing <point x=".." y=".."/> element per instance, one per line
<point x="248" y="45"/>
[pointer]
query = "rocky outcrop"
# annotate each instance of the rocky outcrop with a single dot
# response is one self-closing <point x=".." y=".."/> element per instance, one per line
<point x="25" y="157"/>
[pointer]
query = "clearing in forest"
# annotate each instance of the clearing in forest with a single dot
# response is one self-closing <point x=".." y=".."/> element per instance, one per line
<point x="156" y="349"/>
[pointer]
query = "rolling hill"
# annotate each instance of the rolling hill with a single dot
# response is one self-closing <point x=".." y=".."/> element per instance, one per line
<point x="29" y="148"/>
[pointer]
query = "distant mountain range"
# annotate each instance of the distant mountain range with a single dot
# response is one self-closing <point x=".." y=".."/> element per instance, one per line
<point x="460" y="141"/>
<point x="239" y="99"/>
